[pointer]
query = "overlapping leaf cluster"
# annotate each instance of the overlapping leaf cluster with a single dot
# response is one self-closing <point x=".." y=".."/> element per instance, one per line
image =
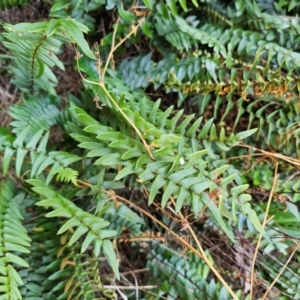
<point x="183" y="276"/>
<point x="163" y="124"/>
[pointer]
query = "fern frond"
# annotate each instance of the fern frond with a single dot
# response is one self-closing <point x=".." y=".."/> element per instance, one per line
<point x="206" y="77"/>
<point x="85" y="223"/>
<point x="185" y="177"/>
<point x="38" y="112"/>
<point x="35" y="47"/>
<point x="76" y="10"/>
<point x="290" y="279"/>
<point x="172" y="32"/>
<point x="182" y="276"/>
<point x="55" y="270"/>
<point x="123" y="217"/>
<point x="43" y="258"/>
<point x="35" y="147"/>
<point x="14" y="240"/>
<point x="66" y="175"/>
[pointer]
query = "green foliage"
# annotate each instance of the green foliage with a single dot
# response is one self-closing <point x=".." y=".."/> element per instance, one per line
<point x="183" y="276"/>
<point x="14" y="240"/>
<point x="35" y="46"/>
<point x="85" y="223"/>
<point x="165" y="131"/>
<point x="175" y="166"/>
<point x="5" y="4"/>
<point x="40" y="112"/>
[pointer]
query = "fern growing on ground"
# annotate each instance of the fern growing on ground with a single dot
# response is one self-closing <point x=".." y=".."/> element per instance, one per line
<point x="173" y="171"/>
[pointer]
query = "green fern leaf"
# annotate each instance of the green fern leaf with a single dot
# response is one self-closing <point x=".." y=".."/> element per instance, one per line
<point x="13" y="241"/>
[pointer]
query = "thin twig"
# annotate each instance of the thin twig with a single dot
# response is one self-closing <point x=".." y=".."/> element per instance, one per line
<point x="291" y="160"/>
<point x="102" y="85"/>
<point x="200" y="254"/>
<point x="182" y="241"/>
<point x="281" y="271"/>
<point x="133" y="287"/>
<point x="114" y="196"/>
<point x="114" y="48"/>
<point x="204" y="257"/>
<point x="263" y="226"/>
